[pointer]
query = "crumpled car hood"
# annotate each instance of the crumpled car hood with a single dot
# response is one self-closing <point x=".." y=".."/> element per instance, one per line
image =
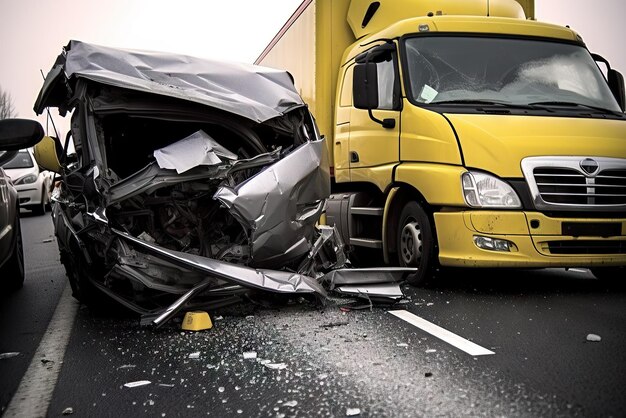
<point x="254" y="92"/>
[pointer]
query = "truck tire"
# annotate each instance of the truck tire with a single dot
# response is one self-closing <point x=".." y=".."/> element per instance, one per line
<point x="613" y="276"/>
<point x="12" y="272"/>
<point x="416" y="244"/>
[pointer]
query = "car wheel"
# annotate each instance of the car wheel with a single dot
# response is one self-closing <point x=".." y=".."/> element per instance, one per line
<point x="40" y="209"/>
<point x="416" y="244"/>
<point x="48" y="203"/>
<point x="80" y="274"/>
<point x="12" y="272"/>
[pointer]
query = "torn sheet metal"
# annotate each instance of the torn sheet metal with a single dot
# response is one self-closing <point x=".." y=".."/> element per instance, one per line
<point x="366" y="276"/>
<point x="384" y="290"/>
<point x="270" y="280"/>
<point x="195" y="150"/>
<point x="327" y="252"/>
<point x="281" y="205"/>
<point x="153" y="177"/>
<point x="254" y="92"/>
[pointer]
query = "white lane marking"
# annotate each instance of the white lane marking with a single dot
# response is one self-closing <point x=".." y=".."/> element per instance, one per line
<point x="35" y="390"/>
<point x="443" y="334"/>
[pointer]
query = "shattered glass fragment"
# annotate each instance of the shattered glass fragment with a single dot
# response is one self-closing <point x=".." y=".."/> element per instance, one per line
<point x="8" y="355"/>
<point x="137" y="383"/>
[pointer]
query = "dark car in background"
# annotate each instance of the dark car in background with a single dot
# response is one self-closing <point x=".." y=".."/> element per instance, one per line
<point x="15" y="134"/>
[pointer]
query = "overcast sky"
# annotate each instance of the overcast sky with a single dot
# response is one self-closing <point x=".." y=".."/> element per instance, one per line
<point x="34" y="31"/>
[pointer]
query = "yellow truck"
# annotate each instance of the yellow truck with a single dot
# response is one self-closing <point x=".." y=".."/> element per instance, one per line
<point x="462" y="133"/>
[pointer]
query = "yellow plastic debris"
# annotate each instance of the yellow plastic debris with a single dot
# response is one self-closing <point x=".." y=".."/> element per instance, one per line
<point x="196" y="321"/>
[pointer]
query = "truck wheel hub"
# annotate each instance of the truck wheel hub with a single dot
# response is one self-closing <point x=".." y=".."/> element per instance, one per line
<point x="411" y="244"/>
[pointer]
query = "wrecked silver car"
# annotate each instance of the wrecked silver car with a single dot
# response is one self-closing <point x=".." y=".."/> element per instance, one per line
<point x="187" y="183"/>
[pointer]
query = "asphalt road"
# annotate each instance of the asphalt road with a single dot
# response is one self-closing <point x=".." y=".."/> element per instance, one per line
<point x="325" y="361"/>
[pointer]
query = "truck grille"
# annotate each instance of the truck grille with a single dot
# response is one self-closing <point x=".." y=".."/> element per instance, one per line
<point x="587" y="247"/>
<point x="577" y="183"/>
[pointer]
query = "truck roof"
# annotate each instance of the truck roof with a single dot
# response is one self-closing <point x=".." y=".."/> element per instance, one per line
<point x="366" y="17"/>
<point x="469" y="25"/>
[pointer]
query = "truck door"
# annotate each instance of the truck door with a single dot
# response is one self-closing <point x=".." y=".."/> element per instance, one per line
<point x="375" y="116"/>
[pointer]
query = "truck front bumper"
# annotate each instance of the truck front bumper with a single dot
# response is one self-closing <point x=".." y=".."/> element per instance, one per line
<point x="533" y="240"/>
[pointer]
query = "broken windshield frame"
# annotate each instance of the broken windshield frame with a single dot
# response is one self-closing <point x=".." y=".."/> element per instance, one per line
<point x="503" y="71"/>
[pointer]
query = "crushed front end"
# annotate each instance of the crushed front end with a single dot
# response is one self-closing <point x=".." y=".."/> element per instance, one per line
<point x="186" y="183"/>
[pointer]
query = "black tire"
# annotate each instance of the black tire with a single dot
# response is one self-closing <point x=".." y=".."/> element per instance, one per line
<point x="416" y="244"/>
<point x="12" y="272"/>
<point x="613" y="276"/>
<point x="40" y="209"/>
<point x="80" y="274"/>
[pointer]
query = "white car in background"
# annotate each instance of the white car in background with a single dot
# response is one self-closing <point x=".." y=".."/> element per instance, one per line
<point x="32" y="184"/>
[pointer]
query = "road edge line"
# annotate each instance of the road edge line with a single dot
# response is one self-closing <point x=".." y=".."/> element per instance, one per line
<point x="34" y="393"/>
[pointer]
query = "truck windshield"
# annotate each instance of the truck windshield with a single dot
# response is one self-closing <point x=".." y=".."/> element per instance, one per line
<point x="509" y="71"/>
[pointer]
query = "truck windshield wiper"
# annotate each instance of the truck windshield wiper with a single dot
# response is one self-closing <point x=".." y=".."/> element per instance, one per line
<point x="574" y="104"/>
<point x="479" y="102"/>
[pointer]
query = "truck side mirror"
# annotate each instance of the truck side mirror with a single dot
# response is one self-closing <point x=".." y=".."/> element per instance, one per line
<point x="615" y="81"/>
<point x="365" y="91"/>
<point x="365" y="86"/>
<point x="616" y="84"/>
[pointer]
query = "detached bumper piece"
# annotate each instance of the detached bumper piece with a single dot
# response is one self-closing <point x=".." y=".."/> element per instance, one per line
<point x="378" y="285"/>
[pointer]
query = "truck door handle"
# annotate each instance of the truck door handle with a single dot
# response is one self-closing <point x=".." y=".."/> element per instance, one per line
<point x="354" y="157"/>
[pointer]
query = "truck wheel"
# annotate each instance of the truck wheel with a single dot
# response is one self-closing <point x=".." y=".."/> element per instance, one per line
<point x="416" y="243"/>
<point x="610" y="275"/>
<point x="12" y="272"/>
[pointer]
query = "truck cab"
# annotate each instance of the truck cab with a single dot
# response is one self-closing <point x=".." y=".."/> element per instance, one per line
<point x="467" y="134"/>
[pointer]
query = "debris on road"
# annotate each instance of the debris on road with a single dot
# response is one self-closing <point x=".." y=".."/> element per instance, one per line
<point x="196" y="321"/>
<point x="249" y="355"/>
<point x="334" y="324"/>
<point x="127" y="366"/>
<point x="275" y="366"/>
<point x="137" y="383"/>
<point x="68" y="411"/>
<point x="8" y="355"/>
<point x="351" y="412"/>
<point x="593" y="338"/>
<point x="195" y="355"/>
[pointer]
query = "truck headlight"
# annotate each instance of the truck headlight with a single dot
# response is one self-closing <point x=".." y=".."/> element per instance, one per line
<point x="486" y="191"/>
<point x="29" y="178"/>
